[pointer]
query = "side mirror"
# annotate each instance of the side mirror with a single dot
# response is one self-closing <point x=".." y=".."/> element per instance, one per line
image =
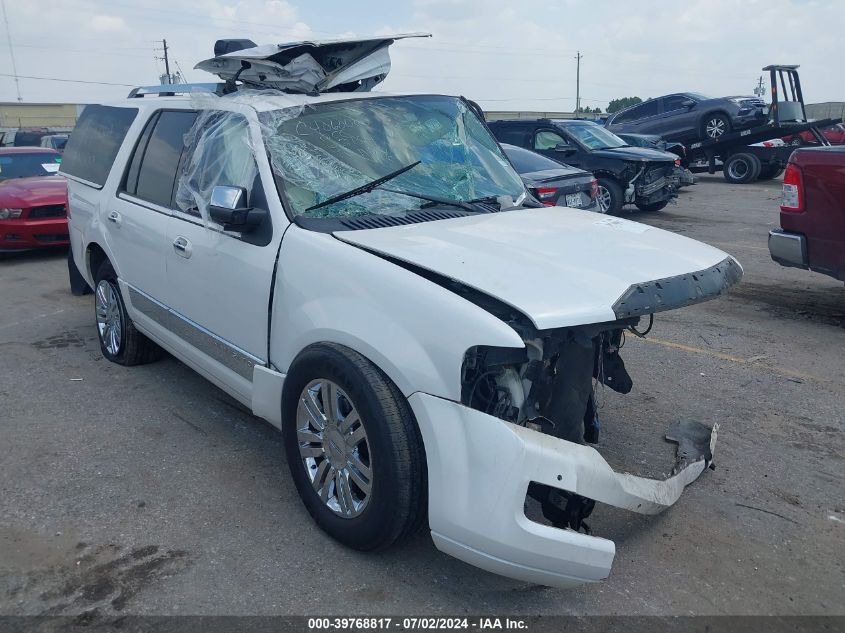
<point x="565" y="149"/>
<point x="688" y="104"/>
<point x="228" y="207"/>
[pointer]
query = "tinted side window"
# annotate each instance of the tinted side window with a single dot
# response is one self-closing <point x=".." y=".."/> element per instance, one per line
<point x="546" y="139"/>
<point x="95" y="141"/>
<point x="675" y="102"/>
<point x="518" y="135"/>
<point x="649" y="108"/>
<point x="157" y="171"/>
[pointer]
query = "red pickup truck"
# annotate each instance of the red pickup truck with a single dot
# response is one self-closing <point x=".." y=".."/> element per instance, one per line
<point x="812" y="212"/>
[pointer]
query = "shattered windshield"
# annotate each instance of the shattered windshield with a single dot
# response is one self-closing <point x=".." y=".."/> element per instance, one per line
<point x="328" y="149"/>
<point x="595" y="137"/>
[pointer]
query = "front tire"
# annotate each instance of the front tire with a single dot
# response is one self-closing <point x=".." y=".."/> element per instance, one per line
<point x="715" y="126"/>
<point x="120" y="341"/>
<point x="353" y="447"/>
<point x="654" y="206"/>
<point x="609" y="197"/>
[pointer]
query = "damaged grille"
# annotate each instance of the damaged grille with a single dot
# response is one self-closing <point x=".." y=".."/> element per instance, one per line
<point x="675" y="292"/>
<point x="654" y="179"/>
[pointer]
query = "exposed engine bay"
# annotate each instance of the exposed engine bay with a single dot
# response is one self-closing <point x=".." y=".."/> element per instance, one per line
<point x="550" y="386"/>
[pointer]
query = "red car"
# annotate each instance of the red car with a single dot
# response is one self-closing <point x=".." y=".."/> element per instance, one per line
<point x="812" y="212"/>
<point x="835" y="135"/>
<point x="33" y="199"/>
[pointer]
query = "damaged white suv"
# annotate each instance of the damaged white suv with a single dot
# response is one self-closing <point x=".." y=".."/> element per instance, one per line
<point x="367" y="272"/>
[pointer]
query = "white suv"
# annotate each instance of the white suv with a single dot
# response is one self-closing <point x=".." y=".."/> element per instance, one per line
<point x="366" y="272"/>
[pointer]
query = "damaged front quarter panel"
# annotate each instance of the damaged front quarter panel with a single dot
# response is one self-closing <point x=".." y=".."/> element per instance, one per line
<point x="546" y="396"/>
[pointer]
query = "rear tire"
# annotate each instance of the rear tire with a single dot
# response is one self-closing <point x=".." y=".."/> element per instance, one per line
<point x="769" y="172"/>
<point x="365" y="484"/>
<point x="610" y="197"/>
<point x="120" y="341"/>
<point x="654" y="206"/>
<point x="741" y="168"/>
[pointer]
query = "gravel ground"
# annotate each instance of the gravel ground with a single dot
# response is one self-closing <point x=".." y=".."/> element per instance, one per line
<point x="149" y="491"/>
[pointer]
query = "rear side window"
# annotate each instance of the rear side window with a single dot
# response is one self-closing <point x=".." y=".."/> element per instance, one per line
<point x="518" y="135"/>
<point x="674" y="102"/>
<point x="155" y="161"/>
<point x="95" y="141"/>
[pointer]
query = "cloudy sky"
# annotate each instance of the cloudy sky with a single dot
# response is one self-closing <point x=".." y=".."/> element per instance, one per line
<point x="505" y="54"/>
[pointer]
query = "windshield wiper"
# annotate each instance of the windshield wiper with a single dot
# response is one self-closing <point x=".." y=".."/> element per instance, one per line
<point x="467" y="206"/>
<point x="357" y="191"/>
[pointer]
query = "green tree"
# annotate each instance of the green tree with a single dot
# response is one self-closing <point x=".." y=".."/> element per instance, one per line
<point x="623" y="102"/>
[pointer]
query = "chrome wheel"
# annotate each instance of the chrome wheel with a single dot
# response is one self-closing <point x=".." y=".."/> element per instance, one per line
<point x="109" y="317"/>
<point x="604" y="199"/>
<point x="334" y="448"/>
<point x="715" y="127"/>
<point x="738" y="169"/>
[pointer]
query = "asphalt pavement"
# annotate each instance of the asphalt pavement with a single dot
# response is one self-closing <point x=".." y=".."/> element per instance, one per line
<point x="147" y="490"/>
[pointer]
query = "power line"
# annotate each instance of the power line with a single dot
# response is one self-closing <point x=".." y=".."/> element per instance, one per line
<point x="73" y="81"/>
<point x="11" y="50"/>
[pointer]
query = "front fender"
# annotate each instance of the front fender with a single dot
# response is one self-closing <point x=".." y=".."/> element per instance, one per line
<point x="414" y="330"/>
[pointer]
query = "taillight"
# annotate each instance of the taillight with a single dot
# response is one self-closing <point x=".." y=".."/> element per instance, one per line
<point x="792" y="200"/>
<point x="546" y="195"/>
<point x="594" y="189"/>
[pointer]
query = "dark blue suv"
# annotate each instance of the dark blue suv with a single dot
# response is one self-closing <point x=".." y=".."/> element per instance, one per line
<point x="690" y="116"/>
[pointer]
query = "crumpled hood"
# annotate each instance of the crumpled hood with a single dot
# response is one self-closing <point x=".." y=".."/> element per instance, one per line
<point x="635" y="154"/>
<point x="32" y="192"/>
<point x="560" y="267"/>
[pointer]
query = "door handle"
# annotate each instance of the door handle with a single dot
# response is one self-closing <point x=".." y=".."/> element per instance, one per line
<point x="182" y="246"/>
<point x="114" y="216"/>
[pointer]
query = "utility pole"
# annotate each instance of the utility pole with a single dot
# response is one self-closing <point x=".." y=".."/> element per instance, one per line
<point x="166" y="78"/>
<point x="11" y="50"/>
<point x="166" y="62"/>
<point x="578" y="84"/>
<point x="759" y="90"/>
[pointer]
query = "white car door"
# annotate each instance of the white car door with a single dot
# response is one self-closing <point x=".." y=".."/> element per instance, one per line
<point x="137" y="217"/>
<point x="219" y="282"/>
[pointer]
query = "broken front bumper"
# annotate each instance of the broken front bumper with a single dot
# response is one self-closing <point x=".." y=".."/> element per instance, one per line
<point x="479" y="469"/>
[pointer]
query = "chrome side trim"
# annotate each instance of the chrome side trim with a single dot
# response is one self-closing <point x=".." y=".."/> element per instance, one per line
<point x="239" y="361"/>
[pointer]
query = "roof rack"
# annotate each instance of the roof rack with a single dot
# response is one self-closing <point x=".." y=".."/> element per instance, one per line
<point x="170" y="90"/>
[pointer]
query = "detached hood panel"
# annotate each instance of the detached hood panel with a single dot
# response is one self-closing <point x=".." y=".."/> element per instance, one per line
<point x="560" y="267"/>
<point x="308" y="66"/>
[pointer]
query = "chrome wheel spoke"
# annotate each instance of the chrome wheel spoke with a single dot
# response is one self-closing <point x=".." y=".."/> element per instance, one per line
<point x="357" y="436"/>
<point x="328" y="393"/>
<point x="356" y="464"/>
<point x="348" y="421"/>
<point x="307" y="437"/>
<point x="343" y="492"/>
<point x="310" y="408"/>
<point x="311" y="451"/>
<point x="362" y="481"/>
<point x="320" y="476"/>
<point x="327" y="484"/>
